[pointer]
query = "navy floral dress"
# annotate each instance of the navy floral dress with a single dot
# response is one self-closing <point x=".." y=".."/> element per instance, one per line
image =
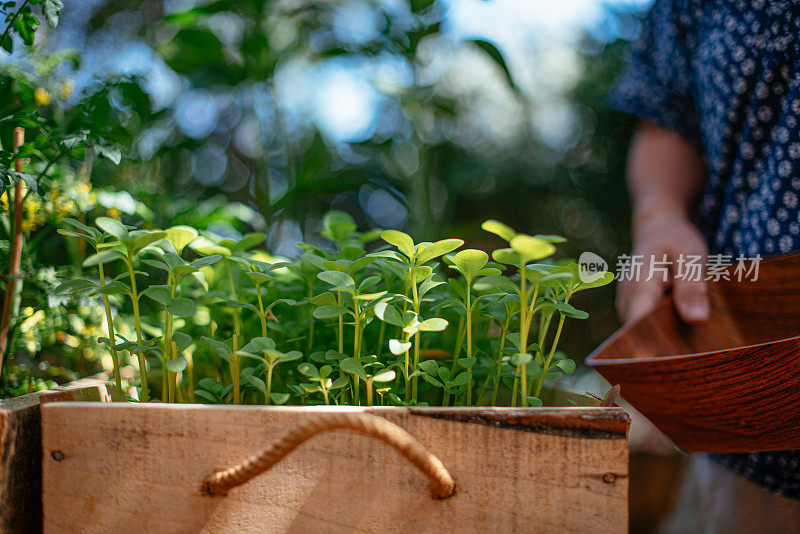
<point x="725" y="74"/>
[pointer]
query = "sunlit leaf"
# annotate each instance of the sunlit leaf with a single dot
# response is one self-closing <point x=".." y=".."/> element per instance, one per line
<point x="401" y="240"/>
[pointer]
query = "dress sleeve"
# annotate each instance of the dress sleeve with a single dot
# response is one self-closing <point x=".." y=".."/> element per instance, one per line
<point x="658" y="82"/>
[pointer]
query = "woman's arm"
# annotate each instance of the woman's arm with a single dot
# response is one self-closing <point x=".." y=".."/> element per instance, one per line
<point x="665" y="175"/>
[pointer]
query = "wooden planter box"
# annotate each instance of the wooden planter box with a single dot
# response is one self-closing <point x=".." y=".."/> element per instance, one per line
<point x="136" y="467"/>
<point x="21" y="456"/>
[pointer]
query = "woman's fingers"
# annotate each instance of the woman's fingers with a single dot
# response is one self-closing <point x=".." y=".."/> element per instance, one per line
<point x="689" y="290"/>
<point x="680" y="246"/>
<point x="643" y="298"/>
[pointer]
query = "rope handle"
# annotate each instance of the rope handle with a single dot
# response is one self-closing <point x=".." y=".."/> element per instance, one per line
<point x="223" y="480"/>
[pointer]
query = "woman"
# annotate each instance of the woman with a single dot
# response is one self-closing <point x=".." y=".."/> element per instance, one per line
<point x="715" y="168"/>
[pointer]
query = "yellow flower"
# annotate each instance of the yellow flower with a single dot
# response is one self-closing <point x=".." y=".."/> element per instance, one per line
<point x="41" y="96"/>
<point x="114" y="213"/>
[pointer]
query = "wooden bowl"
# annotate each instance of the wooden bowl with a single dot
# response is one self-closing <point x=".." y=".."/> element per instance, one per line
<point x="731" y="384"/>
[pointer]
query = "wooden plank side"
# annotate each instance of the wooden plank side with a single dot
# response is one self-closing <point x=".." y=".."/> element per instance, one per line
<point x="139" y="467"/>
<point x="21" y="453"/>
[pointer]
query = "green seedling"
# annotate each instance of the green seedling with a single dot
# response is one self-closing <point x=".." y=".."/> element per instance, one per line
<point x="320" y="381"/>
<point x="414" y="258"/>
<point x="166" y="295"/>
<point x="374" y="372"/>
<point x="523" y="250"/>
<point x="263" y="349"/>
<point x="95" y="238"/>
<point x="471" y="264"/>
<point x="125" y="246"/>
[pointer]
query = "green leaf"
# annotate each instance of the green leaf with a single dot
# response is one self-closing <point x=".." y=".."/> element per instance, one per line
<point x="369" y="296"/>
<point x="507" y="256"/>
<point x="182" y="307"/>
<point x="388" y="314"/>
<point x="159" y="293"/>
<point x="245" y="354"/>
<point x="115" y="288"/>
<point x="310" y="388"/>
<point x="104" y="256"/>
<point x="259" y="344"/>
<point x="368" y="283"/>
<point x="290" y="356"/>
<point x="354" y="367"/>
<point x="466" y="363"/>
<point x="390" y="254"/>
<point x="428" y="284"/>
<point x="328" y="311"/>
<point x="309" y="370"/>
<point x="180" y="236"/>
<point x="258" y="384"/>
<point x="157" y="264"/>
<point x="338" y="279"/>
<point x="470" y="262"/>
<point x="461" y="380"/>
<point x="401" y="240"/>
<point x="359" y="264"/>
<point x="209" y="384"/>
<point x="112" y="227"/>
<point x="80" y="226"/>
<point x="279" y="398"/>
<point x="206" y="247"/>
<point x="569" y="310"/>
<point x="435" y="324"/>
<point x="551" y="238"/>
<point x="439" y="248"/>
<point x="182" y="341"/>
<point x="205" y="261"/>
<point x="431" y="380"/>
<point x="223" y="350"/>
<point x="74" y="286"/>
<point x="177" y="365"/>
<point x="590" y="281"/>
<point x="148" y="238"/>
<point x="323" y="299"/>
<point x="238" y="304"/>
<point x="249" y="241"/>
<point x="534" y="402"/>
<point x="423" y="272"/>
<point x="494" y="53"/>
<point x="430" y="366"/>
<point x="531" y="249"/>
<point x="338" y="225"/>
<point x="207" y="396"/>
<point x="331" y="265"/>
<point x="339" y="383"/>
<point x="398" y="347"/>
<point x="500" y="229"/>
<point x="566" y="365"/>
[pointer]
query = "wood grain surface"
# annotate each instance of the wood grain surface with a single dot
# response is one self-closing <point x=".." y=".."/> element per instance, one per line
<point x="127" y="467"/>
<point x="21" y="453"/>
<point x="731" y="384"/>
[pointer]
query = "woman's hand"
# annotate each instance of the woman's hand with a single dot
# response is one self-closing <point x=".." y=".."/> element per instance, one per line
<point x="666" y="175"/>
<point x="658" y="232"/>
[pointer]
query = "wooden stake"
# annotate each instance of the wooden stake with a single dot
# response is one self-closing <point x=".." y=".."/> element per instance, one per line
<point x="16" y="252"/>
